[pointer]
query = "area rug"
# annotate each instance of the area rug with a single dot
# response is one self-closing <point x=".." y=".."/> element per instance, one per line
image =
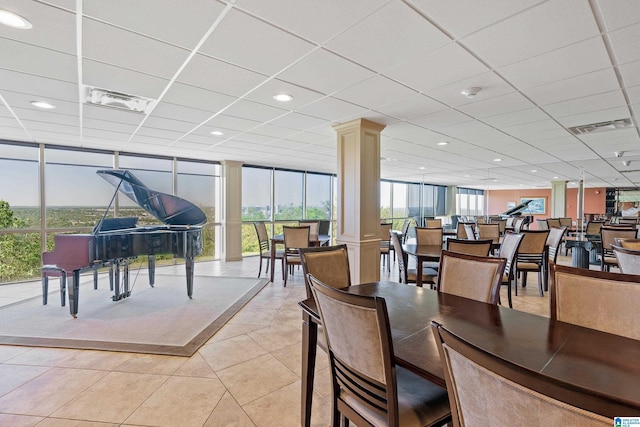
<point x="159" y="320"/>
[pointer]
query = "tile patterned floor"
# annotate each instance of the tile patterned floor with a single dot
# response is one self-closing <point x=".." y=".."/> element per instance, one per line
<point x="248" y="374"/>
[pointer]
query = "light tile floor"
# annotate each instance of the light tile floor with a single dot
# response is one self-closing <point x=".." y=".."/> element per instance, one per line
<point x="248" y="374"/>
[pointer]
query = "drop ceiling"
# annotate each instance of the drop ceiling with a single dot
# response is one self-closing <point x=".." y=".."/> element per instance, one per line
<point x="542" y="66"/>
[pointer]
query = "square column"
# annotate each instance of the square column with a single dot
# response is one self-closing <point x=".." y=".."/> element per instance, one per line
<point x="229" y="212"/>
<point x="558" y="199"/>
<point x="359" y="196"/>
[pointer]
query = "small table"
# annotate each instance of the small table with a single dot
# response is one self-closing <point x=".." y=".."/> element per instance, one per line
<point x="423" y="253"/>
<point x="583" y="249"/>
<point x="321" y="239"/>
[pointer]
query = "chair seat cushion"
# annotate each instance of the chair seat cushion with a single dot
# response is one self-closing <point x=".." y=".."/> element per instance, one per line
<point x="279" y="254"/>
<point x="429" y="275"/>
<point x="611" y="260"/>
<point x="528" y="266"/>
<point x="293" y="260"/>
<point x="420" y="402"/>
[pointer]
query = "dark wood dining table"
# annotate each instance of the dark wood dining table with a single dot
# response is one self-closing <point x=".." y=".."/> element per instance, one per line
<point x="423" y="253"/>
<point x="278" y="239"/>
<point x="602" y="369"/>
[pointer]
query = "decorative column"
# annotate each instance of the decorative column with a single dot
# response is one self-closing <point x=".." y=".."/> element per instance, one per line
<point x="558" y="199"/>
<point x="229" y="212"/>
<point x="359" y="196"/>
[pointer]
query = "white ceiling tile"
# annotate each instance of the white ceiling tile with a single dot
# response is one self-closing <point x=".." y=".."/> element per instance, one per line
<point x="301" y="96"/>
<point x="587" y="104"/>
<point x="179" y="112"/>
<point x="324" y="72"/>
<point x="256" y="45"/>
<point x="442" y="119"/>
<point x="514" y="118"/>
<point x="546" y="27"/>
<point x="396" y="31"/>
<point x="195" y="97"/>
<point x="157" y="18"/>
<point x="625" y="44"/>
<point x="619" y="13"/>
<point x="570" y="61"/>
<point x="39" y="86"/>
<point x="26" y="58"/>
<point x="313" y="20"/>
<point x="332" y="109"/>
<point x="298" y="121"/>
<point x="115" y="46"/>
<point x="411" y="106"/>
<point x="121" y="80"/>
<point x="111" y="114"/>
<point x="273" y="131"/>
<point x="235" y="123"/>
<point x="438" y="68"/>
<point x="374" y="92"/>
<point x="53" y="28"/>
<point x="254" y="111"/>
<point x="463" y="17"/>
<point x="630" y="73"/>
<point x="577" y="87"/>
<point x="212" y="74"/>
<point x="634" y="94"/>
<point x="490" y="84"/>
<point x="23" y="101"/>
<point x="498" y="105"/>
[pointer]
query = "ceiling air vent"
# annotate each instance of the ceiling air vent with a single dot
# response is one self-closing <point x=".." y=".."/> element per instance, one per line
<point x="601" y="127"/>
<point x="119" y="100"/>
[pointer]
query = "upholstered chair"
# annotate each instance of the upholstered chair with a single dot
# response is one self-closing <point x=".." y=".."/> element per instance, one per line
<point x="294" y="239"/>
<point x="469" y="247"/>
<point x="265" y="248"/>
<point x="628" y="259"/>
<point x="329" y="264"/>
<point x="509" y="251"/>
<point x="409" y="275"/>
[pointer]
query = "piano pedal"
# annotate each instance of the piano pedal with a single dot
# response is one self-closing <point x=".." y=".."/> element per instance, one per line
<point x="121" y="296"/>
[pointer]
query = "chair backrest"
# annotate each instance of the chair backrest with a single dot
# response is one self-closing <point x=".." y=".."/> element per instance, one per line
<point x="295" y="238"/>
<point x="525" y="397"/>
<point x="628" y="259"/>
<point x="489" y="231"/>
<point x="533" y="242"/>
<point x="502" y="224"/>
<point x="360" y="349"/>
<point x="461" y="233"/>
<point x="263" y="237"/>
<point x="481" y="220"/>
<point x="325" y="226"/>
<point x="608" y="235"/>
<point x="470" y="231"/>
<point x="385" y="229"/>
<point x="553" y="222"/>
<point x="598" y="300"/>
<point x="628" y="220"/>
<point x="518" y="224"/>
<point x="593" y="227"/>
<point x="314" y="227"/>
<point x="469" y="276"/>
<point x="329" y="264"/>
<point x="469" y="247"/>
<point x="509" y="250"/>
<point x="542" y="224"/>
<point x="428" y="236"/>
<point x="554" y="240"/>
<point x="627" y="243"/>
<point x="510" y="220"/>
<point x="402" y="256"/>
<point x="405" y="227"/>
<point x="433" y="223"/>
<point x="566" y="222"/>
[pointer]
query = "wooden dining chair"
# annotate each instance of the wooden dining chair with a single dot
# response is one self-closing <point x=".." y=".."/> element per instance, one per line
<point x="470" y="276"/>
<point x="533" y="257"/>
<point x="509" y="251"/>
<point x="628" y="259"/>
<point x="627" y="243"/>
<point x="329" y="264"/>
<point x="553" y="222"/>
<point x="608" y="235"/>
<point x="598" y="300"/>
<point x="593" y="227"/>
<point x="566" y="222"/>
<point x="294" y="239"/>
<point x="490" y="232"/>
<point x="314" y="228"/>
<point x="461" y="232"/>
<point x="368" y="388"/>
<point x="265" y="248"/>
<point x="469" y="247"/>
<point x="470" y="231"/>
<point x="554" y="240"/>
<point x="385" y="244"/>
<point x="429" y="237"/>
<point x="485" y="390"/>
<point x="433" y="223"/>
<point x="405" y="229"/>
<point x="410" y="275"/>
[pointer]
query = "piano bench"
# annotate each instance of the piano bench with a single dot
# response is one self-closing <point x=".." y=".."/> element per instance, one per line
<point x="53" y="271"/>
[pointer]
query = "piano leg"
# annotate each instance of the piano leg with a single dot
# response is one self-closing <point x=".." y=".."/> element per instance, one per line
<point x="125" y="279"/>
<point x="116" y="280"/>
<point x="152" y="270"/>
<point x="74" y="289"/>
<point x="95" y="278"/>
<point x="188" y="262"/>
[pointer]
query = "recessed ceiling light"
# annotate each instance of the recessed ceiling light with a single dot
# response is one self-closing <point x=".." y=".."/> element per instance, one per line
<point x="283" y="97"/>
<point x="534" y="170"/>
<point x="422" y="168"/>
<point x="555" y="177"/>
<point x="217" y="133"/>
<point x="443" y="143"/>
<point x="12" y="20"/>
<point x="43" y="105"/>
<point x="470" y="92"/>
<point x="497" y="160"/>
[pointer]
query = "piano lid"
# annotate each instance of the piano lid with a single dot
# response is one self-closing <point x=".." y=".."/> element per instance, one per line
<point x="518" y="209"/>
<point x="169" y="209"/>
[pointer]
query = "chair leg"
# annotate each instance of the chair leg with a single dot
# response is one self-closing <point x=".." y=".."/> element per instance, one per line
<point x="509" y="292"/>
<point x="284" y="276"/>
<point x="260" y="267"/>
<point x="540" y="280"/>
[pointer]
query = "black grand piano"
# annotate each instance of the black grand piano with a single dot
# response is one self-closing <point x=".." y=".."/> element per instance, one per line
<point x="517" y="211"/>
<point x="116" y="240"/>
